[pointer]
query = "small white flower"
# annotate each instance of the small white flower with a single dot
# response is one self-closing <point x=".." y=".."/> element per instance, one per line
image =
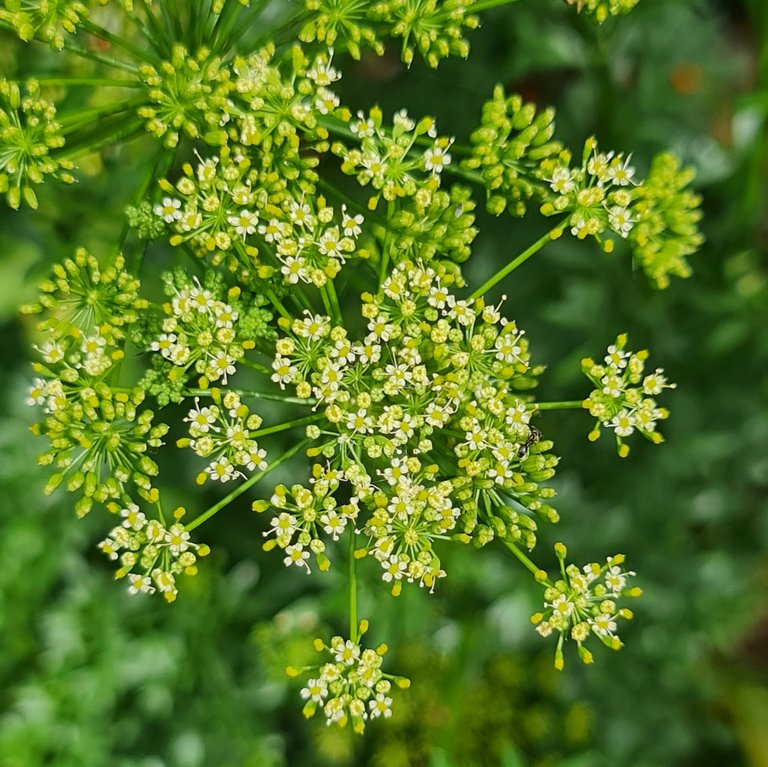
<point x="169" y="210"/>
<point x="623" y="423"/>
<point x="37" y="393"/>
<point x="351" y="224"/>
<point x="620" y="220"/>
<point x="140" y="584"/>
<point x="244" y="223"/>
<point x="296" y="555"/>
<point x="616" y="357"/>
<point x="221" y="470"/>
<point x="177" y="539"/>
<point x="381" y="705"/>
<point x="256" y="458"/>
<point x="562" y="181"/>
<point x="436" y="158"/>
<point x="133" y="519"/>
<point x="316" y="690"/>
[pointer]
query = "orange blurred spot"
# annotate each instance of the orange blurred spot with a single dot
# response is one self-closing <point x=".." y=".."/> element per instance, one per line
<point x="687" y="78"/>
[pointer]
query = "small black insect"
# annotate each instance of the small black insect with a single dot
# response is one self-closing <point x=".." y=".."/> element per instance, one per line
<point x="534" y="435"/>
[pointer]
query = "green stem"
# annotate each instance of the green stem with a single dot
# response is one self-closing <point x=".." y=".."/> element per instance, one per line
<point x="287" y="425"/>
<point x="118" y="42"/>
<point x="569" y="405"/>
<point x="368" y="215"/>
<point x="333" y="300"/>
<point x="155" y="32"/>
<point x="238" y="491"/>
<point x="484" y="5"/>
<point x="108" y="60"/>
<point x="522" y="557"/>
<point x="163" y="161"/>
<point x="468" y="175"/>
<point x="265" y="395"/>
<point x="385" y="245"/>
<point x="126" y="131"/>
<point x="255" y="365"/>
<point x="553" y="234"/>
<point x="326" y="302"/>
<point x="352" y="585"/>
<point x="277" y="304"/>
<point x="74" y="120"/>
<point x="75" y="81"/>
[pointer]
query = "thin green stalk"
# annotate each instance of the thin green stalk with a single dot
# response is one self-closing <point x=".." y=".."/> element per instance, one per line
<point x="553" y="234"/>
<point x="529" y="565"/>
<point x="169" y="15"/>
<point x="223" y="26"/>
<point x="287" y="425"/>
<point x="125" y="131"/>
<point x="467" y="175"/>
<point x="77" y="81"/>
<point x="329" y="291"/>
<point x="247" y="24"/>
<point x="265" y="395"/>
<point x="326" y="302"/>
<point x="352" y="585"/>
<point x="157" y="34"/>
<point x="101" y="58"/>
<point x="118" y="42"/>
<point x="368" y="215"/>
<point x="158" y="169"/>
<point x="277" y="304"/>
<point x="255" y="366"/>
<point x="570" y="405"/>
<point x="73" y="120"/>
<point x="300" y="301"/>
<point x="238" y="491"/>
<point x="485" y="5"/>
<point x="385" y="245"/>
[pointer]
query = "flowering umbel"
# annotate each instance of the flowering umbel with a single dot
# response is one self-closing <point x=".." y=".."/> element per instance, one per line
<point x="313" y="291"/>
<point x="351" y="686"/>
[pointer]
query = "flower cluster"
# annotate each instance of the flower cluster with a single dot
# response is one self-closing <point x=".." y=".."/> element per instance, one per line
<point x="666" y="220"/>
<point x="84" y="299"/>
<point x="45" y="20"/>
<point x="283" y="104"/>
<point x="351" y="687"/>
<point x="303" y="514"/>
<point x="583" y="603"/>
<point x="419" y="416"/>
<point x="99" y="440"/>
<point x="434" y="224"/>
<point x="222" y="433"/>
<point x="214" y="207"/>
<point x="657" y="216"/>
<point x="408" y="517"/>
<point x="597" y="195"/>
<point x="151" y="555"/>
<point x="207" y="329"/>
<point x="433" y="28"/>
<point x="310" y="241"/>
<point x="340" y="23"/>
<point x="623" y="399"/>
<point x="99" y="437"/>
<point x="507" y="148"/>
<point x="29" y="133"/>
<point x="50" y="20"/>
<point x="189" y="95"/>
<point x="391" y="160"/>
<point x="437" y="382"/>
<point x="602" y="9"/>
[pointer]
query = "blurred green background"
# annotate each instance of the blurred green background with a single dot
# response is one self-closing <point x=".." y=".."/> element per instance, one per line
<point x="90" y="676"/>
